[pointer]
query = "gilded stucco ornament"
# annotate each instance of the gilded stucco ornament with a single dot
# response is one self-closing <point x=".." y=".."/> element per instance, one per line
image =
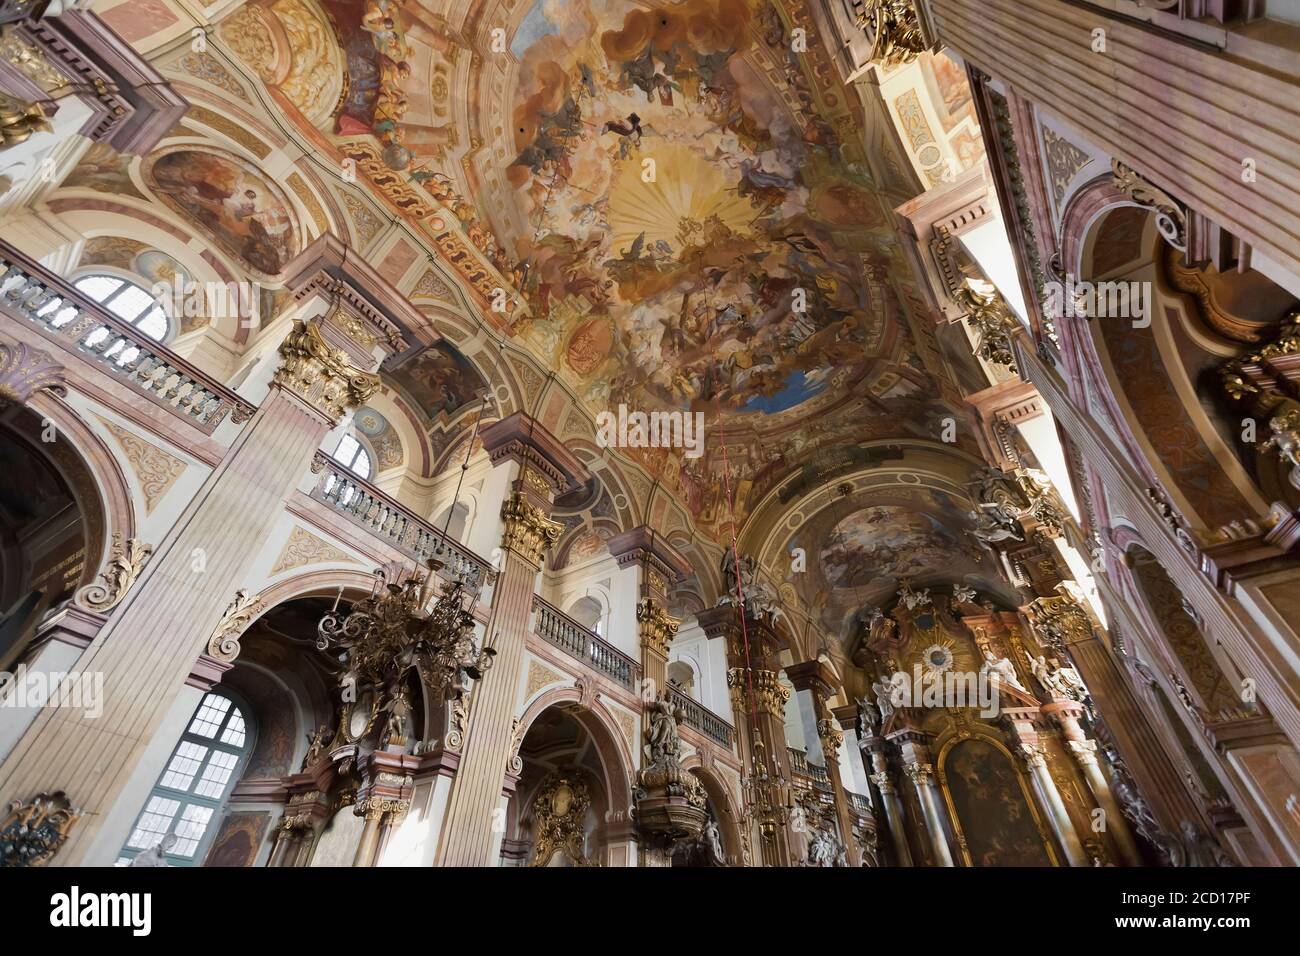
<point x="657" y="626"/>
<point x="224" y="643"/>
<point x="322" y="374"/>
<point x="19" y="120"/>
<point x="125" y="565"/>
<point x="529" y="533"/>
<point x="34" y="831"/>
<point x="1171" y="221"/>
<point x="559" y="819"/>
<point x="1285" y="437"/>
<point x="1060" y="621"/>
<point x="992" y="320"/>
<point x="894" y="30"/>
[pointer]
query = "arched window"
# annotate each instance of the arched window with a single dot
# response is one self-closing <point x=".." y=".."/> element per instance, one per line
<point x="588" y="612"/>
<point x="128" y="301"/>
<point x="353" y="455"/>
<point x="199" y="776"/>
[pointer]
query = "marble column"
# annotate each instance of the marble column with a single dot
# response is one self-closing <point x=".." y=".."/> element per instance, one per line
<point x="922" y="777"/>
<point x="917" y="766"/>
<point x="1067" y="714"/>
<point x="1035" y="757"/>
<point x="545" y="468"/>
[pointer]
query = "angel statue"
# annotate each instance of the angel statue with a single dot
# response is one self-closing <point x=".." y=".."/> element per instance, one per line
<point x="869" y="716"/>
<point x="663" y="745"/>
<point x="1071" y="682"/>
<point x="1000" y="668"/>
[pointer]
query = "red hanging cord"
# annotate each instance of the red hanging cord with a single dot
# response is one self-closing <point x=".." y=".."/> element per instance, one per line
<point x="740" y="593"/>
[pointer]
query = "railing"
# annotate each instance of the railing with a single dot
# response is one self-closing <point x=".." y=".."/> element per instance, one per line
<point x="361" y="502"/>
<point x="85" y="328"/>
<point x="798" y="762"/>
<point x="801" y="765"/>
<point x="556" y="627"/>
<point x="860" y="803"/>
<point x="701" y="718"/>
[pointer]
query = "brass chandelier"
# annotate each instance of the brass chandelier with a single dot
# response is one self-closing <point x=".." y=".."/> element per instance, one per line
<point x="385" y="636"/>
<point x="769" y="798"/>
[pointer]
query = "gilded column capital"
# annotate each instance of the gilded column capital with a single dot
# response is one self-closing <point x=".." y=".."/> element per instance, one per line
<point x="321" y="374"/>
<point x="529" y="533"/>
<point x="657" y="627"/>
<point x="921" y="774"/>
<point x="832" y="738"/>
<point x="770" y="693"/>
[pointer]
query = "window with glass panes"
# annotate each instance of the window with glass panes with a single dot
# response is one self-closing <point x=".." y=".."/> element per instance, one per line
<point x="187" y="800"/>
<point x="352" y="455"/>
<point x="128" y="301"/>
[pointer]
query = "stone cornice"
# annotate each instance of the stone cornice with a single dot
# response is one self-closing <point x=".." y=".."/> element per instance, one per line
<point x="132" y="105"/>
<point x="331" y="268"/>
<point x="816" y="676"/>
<point x="521" y="438"/>
<point x="646" y="548"/>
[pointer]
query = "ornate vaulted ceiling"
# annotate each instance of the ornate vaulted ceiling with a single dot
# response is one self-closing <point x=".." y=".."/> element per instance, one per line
<point x="674" y="198"/>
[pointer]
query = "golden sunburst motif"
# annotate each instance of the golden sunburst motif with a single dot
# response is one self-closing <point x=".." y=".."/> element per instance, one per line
<point x="938" y="657"/>
<point x="687" y="193"/>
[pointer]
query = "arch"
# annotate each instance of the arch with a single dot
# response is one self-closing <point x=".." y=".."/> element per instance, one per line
<point x="721" y="798"/>
<point x="107" y="493"/>
<point x="596" y="719"/>
<point x="1173" y="440"/>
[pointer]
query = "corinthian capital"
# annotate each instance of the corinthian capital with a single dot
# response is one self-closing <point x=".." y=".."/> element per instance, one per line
<point x="657" y="627"/>
<point x="529" y="533"/>
<point x="920" y="773"/>
<point x="321" y="374"/>
<point x="832" y="738"/>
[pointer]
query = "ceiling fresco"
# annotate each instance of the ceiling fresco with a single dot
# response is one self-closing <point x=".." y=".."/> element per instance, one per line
<point x="676" y="196"/>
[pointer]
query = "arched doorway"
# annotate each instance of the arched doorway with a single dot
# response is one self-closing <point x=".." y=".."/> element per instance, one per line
<point x="572" y="803"/>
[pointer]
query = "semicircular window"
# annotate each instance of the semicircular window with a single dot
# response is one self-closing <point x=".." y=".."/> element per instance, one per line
<point x="129" y="301"/>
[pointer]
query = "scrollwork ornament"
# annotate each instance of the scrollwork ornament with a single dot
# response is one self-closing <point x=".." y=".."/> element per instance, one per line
<point x="125" y="565"/>
<point x="224" y="643"/>
<point x="1171" y="221"/>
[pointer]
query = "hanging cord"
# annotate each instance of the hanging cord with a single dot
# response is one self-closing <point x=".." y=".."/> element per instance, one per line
<point x="740" y="592"/>
<point x="464" y="467"/>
